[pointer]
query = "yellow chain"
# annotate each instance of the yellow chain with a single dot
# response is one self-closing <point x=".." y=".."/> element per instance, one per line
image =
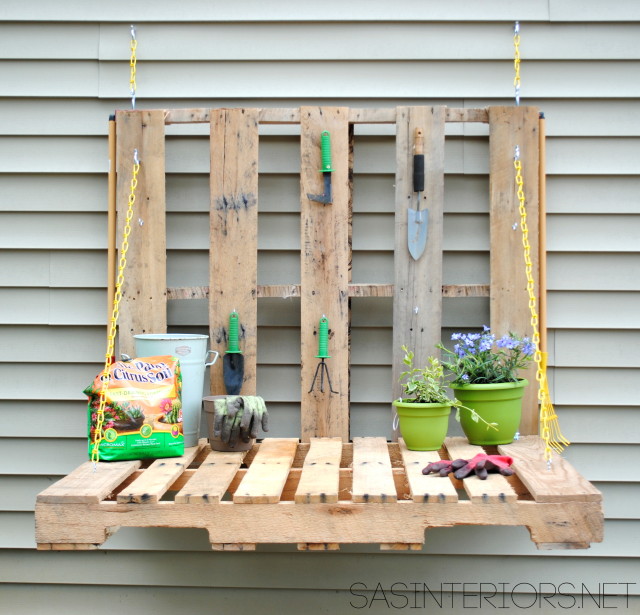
<point x="132" y="65"/>
<point x="516" y="61"/>
<point x="111" y="334"/>
<point x="549" y="427"/>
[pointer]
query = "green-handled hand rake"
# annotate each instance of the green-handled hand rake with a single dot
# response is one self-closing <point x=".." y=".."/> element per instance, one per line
<point x="323" y="353"/>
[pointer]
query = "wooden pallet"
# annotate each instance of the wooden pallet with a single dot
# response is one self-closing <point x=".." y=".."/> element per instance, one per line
<point x="318" y="496"/>
<point x="322" y="491"/>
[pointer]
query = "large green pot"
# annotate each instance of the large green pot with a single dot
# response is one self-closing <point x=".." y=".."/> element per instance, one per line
<point x="495" y="403"/>
<point x="423" y="426"/>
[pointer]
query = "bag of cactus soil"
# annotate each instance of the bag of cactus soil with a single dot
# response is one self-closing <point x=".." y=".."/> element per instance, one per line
<point x="143" y="410"/>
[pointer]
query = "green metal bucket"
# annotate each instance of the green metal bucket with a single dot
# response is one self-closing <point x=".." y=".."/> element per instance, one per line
<point x="191" y="350"/>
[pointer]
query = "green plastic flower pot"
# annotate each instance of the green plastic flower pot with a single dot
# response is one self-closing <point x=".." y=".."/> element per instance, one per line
<point x="423" y="426"/>
<point x="495" y="403"/>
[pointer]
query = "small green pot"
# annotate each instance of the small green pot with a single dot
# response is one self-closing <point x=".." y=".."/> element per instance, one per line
<point x="423" y="426"/>
<point x="495" y="403"/>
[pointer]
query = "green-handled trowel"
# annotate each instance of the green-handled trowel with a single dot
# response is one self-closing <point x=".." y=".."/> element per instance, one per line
<point x="233" y="361"/>
<point x="418" y="219"/>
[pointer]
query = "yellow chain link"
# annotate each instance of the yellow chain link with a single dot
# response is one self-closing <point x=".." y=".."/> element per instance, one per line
<point x="516" y="61"/>
<point x="132" y="65"/>
<point x="549" y="427"/>
<point x="111" y="334"/>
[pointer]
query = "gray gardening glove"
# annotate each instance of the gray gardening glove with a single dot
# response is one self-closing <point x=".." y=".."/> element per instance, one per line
<point x="255" y="415"/>
<point x="226" y="419"/>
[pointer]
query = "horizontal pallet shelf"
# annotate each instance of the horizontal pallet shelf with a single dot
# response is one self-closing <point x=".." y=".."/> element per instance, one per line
<point x="320" y="495"/>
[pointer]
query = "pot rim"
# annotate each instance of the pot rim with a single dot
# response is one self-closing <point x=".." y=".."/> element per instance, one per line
<point x="522" y="382"/>
<point x="418" y="404"/>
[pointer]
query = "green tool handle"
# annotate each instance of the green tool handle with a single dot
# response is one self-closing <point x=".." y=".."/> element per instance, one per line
<point x="233" y="346"/>
<point x="323" y="339"/>
<point x="325" y="152"/>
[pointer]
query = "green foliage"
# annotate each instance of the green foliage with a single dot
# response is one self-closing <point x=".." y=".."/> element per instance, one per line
<point x="423" y="384"/>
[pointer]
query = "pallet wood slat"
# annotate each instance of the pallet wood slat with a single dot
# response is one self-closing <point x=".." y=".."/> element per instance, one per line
<point x="558" y="483"/>
<point x="277" y="115"/>
<point x="268" y="473"/>
<point x="286" y="291"/>
<point x="212" y="479"/>
<point x="509" y="306"/>
<point x="320" y="478"/>
<point x="372" y="474"/>
<point x="144" y="291"/>
<point x="157" y="479"/>
<point x="426" y="487"/>
<point x="88" y="484"/>
<point x="324" y="286"/>
<point x="233" y="254"/>
<point x="494" y="488"/>
<point x="417" y="300"/>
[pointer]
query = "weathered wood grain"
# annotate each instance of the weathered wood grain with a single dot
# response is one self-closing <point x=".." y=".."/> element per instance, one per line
<point x="324" y="287"/>
<point x="144" y="303"/>
<point x="417" y="302"/>
<point x="233" y="254"/>
<point x="509" y="301"/>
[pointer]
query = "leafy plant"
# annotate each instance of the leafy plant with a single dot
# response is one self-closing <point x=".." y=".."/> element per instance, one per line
<point x="428" y="385"/>
<point x="478" y="358"/>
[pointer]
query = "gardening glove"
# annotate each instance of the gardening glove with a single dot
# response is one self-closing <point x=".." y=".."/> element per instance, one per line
<point x="482" y="464"/>
<point x="226" y="418"/>
<point x="255" y="415"/>
<point x="444" y="466"/>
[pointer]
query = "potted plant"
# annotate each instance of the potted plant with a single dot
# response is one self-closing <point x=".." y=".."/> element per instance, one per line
<point x="423" y="410"/>
<point x="485" y="378"/>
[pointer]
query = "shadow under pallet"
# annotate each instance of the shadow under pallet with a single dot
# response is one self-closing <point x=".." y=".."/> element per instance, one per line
<point x="319" y="495"/>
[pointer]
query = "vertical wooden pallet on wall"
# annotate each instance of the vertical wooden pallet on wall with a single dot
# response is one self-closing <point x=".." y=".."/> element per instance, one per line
<point x="325" y="230"/>
<point x="144" y="291"/>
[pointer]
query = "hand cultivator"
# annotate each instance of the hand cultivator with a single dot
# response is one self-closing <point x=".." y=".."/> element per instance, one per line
<point x="323" y="353"/>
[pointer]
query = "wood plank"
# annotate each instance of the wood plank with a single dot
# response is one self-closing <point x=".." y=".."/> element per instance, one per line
<point x="277" y="115"/>
<point x="346" y="522"/>
<point x="89" y="486"/>
<point x="417" y="304"/>
<point x="155" y="481"/>
<point x="324" y="288"/>
<point x="425" y="487"/>
<point x="144" y="303"/>
<point x="233" y="546"/>
<point x="233" y="255"/>
<point x="372" y="473"/>
<point x="495" y="488"/>
<point x="211" y="480"/>
<point x="286" y="291"/>
<point x="267" y="474"/>
<point x="320" y="479"/>
<point x="559" y="483"/>
<point x="509" y="301"/>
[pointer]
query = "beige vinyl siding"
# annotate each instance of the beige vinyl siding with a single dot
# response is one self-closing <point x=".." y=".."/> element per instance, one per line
<point x="64" y="69"/>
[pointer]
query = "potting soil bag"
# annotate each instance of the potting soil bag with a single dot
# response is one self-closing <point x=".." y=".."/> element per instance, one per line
<point x="143" y="410"/>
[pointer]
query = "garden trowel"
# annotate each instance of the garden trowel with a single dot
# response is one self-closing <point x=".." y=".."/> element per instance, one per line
<point x="233" y="361"/>
<point x="418" y="220"/>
